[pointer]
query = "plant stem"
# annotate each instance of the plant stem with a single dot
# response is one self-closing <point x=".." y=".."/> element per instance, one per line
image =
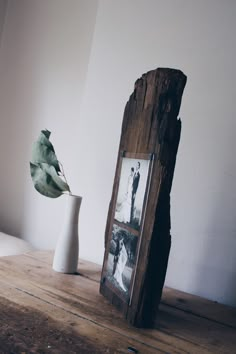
<point x="64" y="176"/>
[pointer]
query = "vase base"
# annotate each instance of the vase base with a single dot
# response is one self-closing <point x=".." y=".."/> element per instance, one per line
<point x="65" y="271"/>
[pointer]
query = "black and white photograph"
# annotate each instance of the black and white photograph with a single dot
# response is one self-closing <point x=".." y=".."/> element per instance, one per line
<point x="131" y="191"/>
<point x="121" y="258"/>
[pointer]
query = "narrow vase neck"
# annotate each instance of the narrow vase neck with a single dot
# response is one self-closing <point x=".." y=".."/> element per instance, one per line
<point x="73" y="207"/>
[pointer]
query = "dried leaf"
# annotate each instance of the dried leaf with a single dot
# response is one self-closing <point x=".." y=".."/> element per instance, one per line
<point x="46" y="180"/>
<point x="43" y="151"/>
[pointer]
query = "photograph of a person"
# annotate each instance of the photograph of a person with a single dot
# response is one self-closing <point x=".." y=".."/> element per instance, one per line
<point x="121" y="258"/>
<point x="131" y="191"/>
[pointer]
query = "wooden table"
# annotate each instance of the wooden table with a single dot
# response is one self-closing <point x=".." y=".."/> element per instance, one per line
<point x="46" y="312"/>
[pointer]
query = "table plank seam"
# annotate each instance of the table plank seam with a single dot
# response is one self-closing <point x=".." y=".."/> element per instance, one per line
<point x="198" y="315"/>
<point x="185" y="324"/>
<point x="159" y="329"/>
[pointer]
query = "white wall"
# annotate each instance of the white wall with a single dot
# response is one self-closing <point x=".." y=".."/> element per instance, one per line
<point x="198" y="37"/>
<point x="52" y="79"/>
<point x="45" y="51"/>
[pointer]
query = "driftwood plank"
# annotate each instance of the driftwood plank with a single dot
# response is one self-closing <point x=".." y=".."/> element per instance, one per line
<point x="150" y="126"/>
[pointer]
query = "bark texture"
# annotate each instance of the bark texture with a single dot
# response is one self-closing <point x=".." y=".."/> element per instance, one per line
<point x="150" y="125"/>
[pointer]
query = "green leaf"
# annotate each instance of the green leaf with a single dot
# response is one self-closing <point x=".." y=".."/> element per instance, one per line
<point x="43" y="151"/>
<point x="45" y="169"/>
<point x="46" y="132"/>
<point x="44" y="139"/>
<point x="46" y="180"/>
<point x="57" y="179"/>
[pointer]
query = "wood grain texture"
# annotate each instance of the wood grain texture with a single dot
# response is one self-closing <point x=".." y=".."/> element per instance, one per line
<point x="150" y="125"/>
<point x="47" y="312"/>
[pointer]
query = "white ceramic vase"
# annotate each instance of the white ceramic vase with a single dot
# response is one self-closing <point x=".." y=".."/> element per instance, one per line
<point x="67" y="249"/>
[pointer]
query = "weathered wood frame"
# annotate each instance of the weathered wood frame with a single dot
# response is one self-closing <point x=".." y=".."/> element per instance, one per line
<point x="150" y="125"/>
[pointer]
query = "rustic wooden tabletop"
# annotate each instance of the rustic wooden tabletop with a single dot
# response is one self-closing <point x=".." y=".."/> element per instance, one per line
<point x="47" y="312"/>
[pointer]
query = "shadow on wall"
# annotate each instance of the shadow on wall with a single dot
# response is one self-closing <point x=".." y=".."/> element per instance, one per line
<point x="18" y="91"/>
